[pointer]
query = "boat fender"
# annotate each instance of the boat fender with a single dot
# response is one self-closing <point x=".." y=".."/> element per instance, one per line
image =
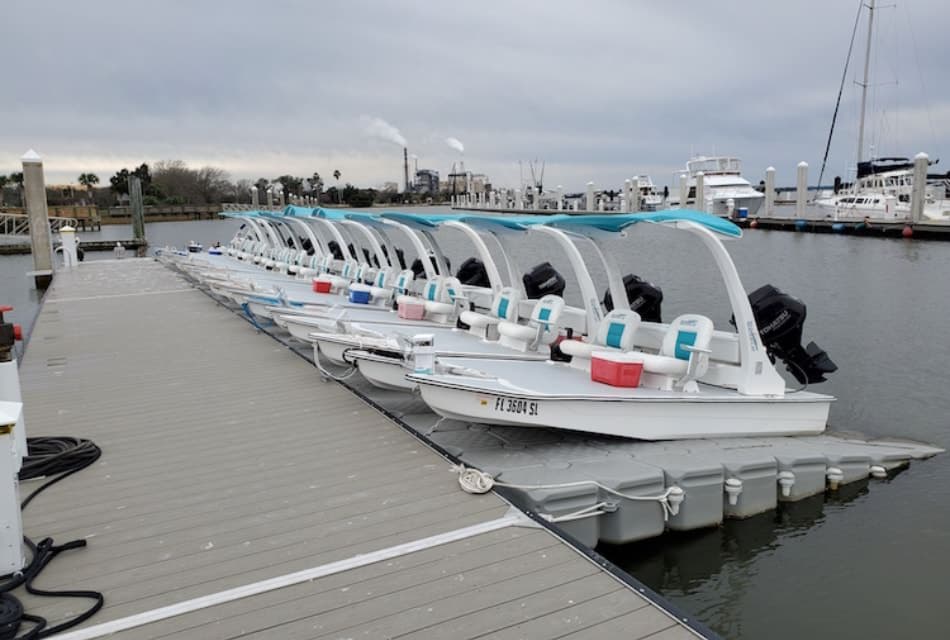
<point x="786" y="480"/>
<point x="835" y="476"/>
<point x="907" y="232"/>
<point x="733" y="487"/>
<point x="674" y="498"/>
<point x="878" y="472"/>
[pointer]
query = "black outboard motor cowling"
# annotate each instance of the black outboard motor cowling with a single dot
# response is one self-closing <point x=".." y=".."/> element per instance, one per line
<point x="542" y="280"/>
<point x="645" y="298"/>
<point x="473" y="273"/>
<point x="334" y="248"/>
<point x="780" y="318"/>
<point x="419" y="270"/>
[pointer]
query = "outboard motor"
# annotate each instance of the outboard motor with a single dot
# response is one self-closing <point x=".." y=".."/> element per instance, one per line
<point x="334" y="248"/>
<point x="780" y="318"/>
<point x="473" y="273"/>
<point x="645" y="298"/>
<point x="419" y="270"/>
<point x="543" y="280"/>
<point x="401" y="258"/>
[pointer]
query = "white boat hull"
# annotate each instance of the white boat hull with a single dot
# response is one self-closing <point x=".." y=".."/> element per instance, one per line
<point x="646" y="419"/>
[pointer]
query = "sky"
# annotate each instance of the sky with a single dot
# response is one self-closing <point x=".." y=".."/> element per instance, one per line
<point x="600" y="90"/>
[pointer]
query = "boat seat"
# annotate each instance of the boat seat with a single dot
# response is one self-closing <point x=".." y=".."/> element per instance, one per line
<point x="440" y="297"/>
<point x="615" y="333"/>
<point x="381" y="290"/>
<point x="340" y="282"/>
<point x="683" y="356"/>
<point x="542" y="327"/>
<point x="504" y="307"/>
<point x="310" y="266"/>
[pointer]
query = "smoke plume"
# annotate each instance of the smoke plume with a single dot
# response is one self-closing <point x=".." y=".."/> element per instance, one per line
<point x="379" y="128"/>
<point x="456" y="144"/>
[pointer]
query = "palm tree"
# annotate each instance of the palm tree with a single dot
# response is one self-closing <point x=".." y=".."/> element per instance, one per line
<point x="17" y="179"/>
<point x="336" y="175"/>
<point x="316" y="185"/>
<point x="88" y="180"/>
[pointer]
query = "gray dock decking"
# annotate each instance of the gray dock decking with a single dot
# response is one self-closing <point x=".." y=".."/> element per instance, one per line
<point x="226" y="461"/>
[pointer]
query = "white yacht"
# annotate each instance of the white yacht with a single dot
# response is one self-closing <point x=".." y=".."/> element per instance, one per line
<point x="882" y="192"/>
<point x="722" y="183"/>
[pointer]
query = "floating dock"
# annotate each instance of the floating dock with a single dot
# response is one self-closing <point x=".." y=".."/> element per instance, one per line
<point x="238" y="495"/>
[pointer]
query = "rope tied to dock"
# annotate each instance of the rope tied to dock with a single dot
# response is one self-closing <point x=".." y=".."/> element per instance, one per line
<point x="476" y="481"/>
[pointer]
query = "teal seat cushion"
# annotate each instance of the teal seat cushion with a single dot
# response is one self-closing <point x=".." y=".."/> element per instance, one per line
<point x="684" y="339"/>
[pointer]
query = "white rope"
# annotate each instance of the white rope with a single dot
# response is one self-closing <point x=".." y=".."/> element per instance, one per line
<point x="476" y="481"/>
<point x="323" y="370"/>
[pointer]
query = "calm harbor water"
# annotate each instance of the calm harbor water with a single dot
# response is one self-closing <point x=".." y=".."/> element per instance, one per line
<point x="870" y="561"/>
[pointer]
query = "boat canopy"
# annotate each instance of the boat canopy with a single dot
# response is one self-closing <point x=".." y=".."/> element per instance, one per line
<point x="618" y="222"/>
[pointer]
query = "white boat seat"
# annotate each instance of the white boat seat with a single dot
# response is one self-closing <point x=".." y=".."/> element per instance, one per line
<point x="542" y="327"/>
<point x="402" y="288"/>
<point x="683" y="356"/>
<point x="342" y="281"/>
<point x="440" y="297"/>
<point x="615" y="333"/>
<point x="504" y="307"/>
<point x="381" y="289"/>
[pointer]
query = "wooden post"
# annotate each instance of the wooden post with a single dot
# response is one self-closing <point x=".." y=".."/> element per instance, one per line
<point x="34" y="189"/>
<point x="138" y="215"/>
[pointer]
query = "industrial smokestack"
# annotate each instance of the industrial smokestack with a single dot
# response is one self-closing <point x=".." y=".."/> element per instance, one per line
<point x="405" y="160"/>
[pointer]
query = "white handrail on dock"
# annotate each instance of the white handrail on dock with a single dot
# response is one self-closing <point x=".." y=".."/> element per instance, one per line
<point x="18" y="224"/>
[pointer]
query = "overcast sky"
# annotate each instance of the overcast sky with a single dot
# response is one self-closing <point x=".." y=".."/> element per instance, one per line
<point x="600" y="90"/>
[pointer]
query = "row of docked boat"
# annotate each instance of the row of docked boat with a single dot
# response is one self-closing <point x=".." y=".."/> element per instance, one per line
<point x="496" y="343"/>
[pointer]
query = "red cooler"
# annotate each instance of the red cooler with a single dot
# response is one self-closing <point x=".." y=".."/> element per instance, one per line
<point x="322" y="286"/>
<point x="616" y="368"/>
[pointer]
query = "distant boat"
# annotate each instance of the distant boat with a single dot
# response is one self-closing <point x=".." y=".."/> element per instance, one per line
<point x="882" y="189"/>
<point x="722" y="182"/>
<point x="195" y="247"/>
<point x="882" y="192"/>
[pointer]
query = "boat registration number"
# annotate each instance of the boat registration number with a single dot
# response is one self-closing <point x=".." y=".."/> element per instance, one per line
<point x="513" y="405"/>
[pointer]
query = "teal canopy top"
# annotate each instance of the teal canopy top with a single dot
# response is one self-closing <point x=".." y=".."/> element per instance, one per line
<point x="616" y="223"/>
<point x="515" y="223"/>
<point x="613" y="223"/>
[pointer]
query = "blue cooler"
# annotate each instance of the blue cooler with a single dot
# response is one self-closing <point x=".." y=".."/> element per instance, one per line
<point x="359" y="296"/>
<point x="743" y="213"/>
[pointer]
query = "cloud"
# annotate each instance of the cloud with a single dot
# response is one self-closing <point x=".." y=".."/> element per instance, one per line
<point x="601" y="90"/>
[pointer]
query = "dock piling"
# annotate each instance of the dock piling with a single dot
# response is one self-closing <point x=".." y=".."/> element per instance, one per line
<point x="801" y="189"/>
<point x="919" y="189"/>
<point x="137" y="205"/>
<point x="34" y="188"/>
<point x="589" y="205"/>
<point x="770" y="192"/>
<point x="684" y="190"/>
<point x="700" y="191"/>
<point x="635" y="194"/>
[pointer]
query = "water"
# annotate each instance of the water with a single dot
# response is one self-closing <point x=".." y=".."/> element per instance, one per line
<point x="868" y="562"/>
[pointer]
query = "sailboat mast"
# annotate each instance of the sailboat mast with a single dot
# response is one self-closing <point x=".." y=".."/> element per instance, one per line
<point x="864" y="85"/>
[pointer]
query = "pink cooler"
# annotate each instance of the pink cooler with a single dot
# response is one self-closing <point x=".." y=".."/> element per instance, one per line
<point x="412" y="310"/>
<point x="616" y="369"/>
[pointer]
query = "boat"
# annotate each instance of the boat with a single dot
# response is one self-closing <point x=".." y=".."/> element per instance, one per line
<point x="725" y="191"/>
<point x="694" y="381"/>
<point x="883" y="187"/>
<point x="195" y="247"/>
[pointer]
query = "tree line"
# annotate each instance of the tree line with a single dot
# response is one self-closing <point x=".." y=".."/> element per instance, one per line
<point x="173" y="182"/>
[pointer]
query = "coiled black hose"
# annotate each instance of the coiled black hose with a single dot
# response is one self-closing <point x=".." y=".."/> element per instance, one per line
<point x="55" y="459"/>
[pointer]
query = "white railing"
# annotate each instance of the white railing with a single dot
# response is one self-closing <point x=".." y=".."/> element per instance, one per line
<point x="18" y="224"/>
